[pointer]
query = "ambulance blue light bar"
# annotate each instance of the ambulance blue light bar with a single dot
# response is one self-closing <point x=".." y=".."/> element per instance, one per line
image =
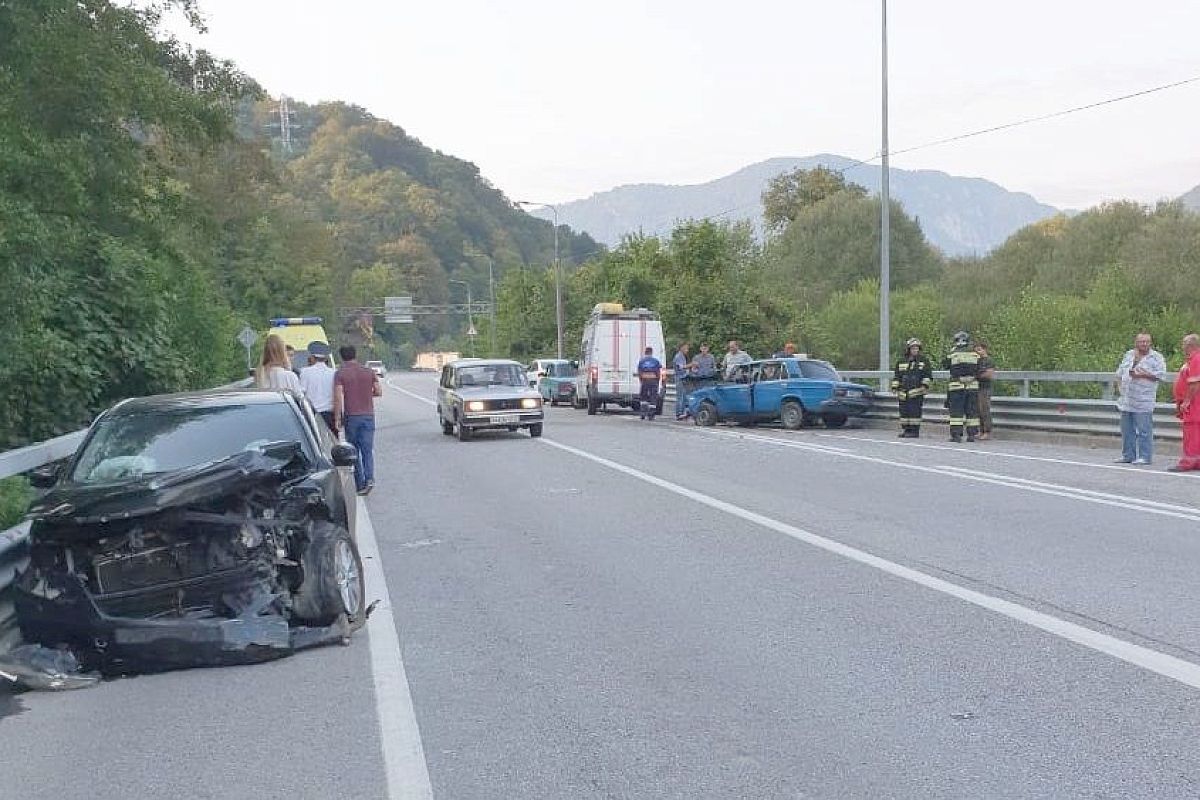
<point x="282" y="322"/>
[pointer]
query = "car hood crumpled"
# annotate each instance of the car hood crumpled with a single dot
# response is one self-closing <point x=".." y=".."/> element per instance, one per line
<point x="88" y="504"/>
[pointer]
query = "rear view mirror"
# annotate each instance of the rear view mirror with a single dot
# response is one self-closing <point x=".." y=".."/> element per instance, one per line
<point x="45" y="476"/>
<point x="344" y="455"/>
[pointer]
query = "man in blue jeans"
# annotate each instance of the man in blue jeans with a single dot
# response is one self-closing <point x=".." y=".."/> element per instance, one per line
<point x="355" y="388"/>
<point x="1137" y="381"/>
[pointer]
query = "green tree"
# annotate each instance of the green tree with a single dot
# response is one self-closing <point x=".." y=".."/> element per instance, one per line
<point x="792" y="192"/>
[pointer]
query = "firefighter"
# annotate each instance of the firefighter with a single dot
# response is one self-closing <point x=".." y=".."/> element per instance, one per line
<point x="962" y="396"/>
<point x="914" y="375"/>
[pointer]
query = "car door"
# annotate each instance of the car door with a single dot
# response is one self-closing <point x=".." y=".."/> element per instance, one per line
<point x="733" y="398"/>
<point x="767" y="390"/>
<point x="446" y="394"/>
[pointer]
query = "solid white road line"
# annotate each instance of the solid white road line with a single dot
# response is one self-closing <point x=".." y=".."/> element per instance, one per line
<point x="399" y="735"/>
<point x="1056" y="490"/>
<point x="413" y="395"/>
<point x="983" y="451"/>
<point x="1154" y="661"/>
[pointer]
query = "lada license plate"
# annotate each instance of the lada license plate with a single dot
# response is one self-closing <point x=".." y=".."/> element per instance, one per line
<point x="506" y="419"/>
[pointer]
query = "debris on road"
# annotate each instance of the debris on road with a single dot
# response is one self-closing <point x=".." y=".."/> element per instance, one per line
<point x="33" y="666"/>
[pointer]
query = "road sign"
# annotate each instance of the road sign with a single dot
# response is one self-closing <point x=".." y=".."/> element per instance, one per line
<point x="471" y="331"/>
<point x="397" y="310"/>
<point x="247" y="337"/>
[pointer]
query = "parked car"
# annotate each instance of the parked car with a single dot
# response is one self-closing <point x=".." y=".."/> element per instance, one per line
<point x="377" y="367"/>
<point x="477" y="394"/>
<point x="537" y="370"/>
<point x="195" y="529"/>
<point x="794" y="391"/>
<point x="557" y="384"/>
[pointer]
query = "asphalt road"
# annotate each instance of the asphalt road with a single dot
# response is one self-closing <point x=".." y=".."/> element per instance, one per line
<point x="652" y="610"/>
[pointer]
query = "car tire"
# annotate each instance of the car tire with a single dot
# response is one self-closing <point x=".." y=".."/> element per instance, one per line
<point x="333" y="581"/>
<point x="535" y="430"/>
<point x="464" y="433"/>
<point x="834" y="420"/>
<point x="791" y="414"/>
<point x="591" y="405"/>
<point x="658" y="407"/>
<point x="447" y="428"/>
<point x="706" y="414"/>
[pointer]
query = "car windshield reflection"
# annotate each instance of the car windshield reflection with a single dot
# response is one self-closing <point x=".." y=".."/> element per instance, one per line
<point x="491" y="375"/>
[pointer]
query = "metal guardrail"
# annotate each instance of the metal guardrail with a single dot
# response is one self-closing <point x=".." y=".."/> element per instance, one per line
<point x="14" y="542"/>
<point x="1025" y="378"/>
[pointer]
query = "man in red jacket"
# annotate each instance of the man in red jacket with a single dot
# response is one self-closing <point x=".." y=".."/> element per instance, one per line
<point x="1187" y="405"/>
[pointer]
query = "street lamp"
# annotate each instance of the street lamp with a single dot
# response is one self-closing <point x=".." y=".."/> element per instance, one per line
<point x="491" y="293"/>
<point x="470" y="320"/>
<point x="885" y="230"/>
<point x="558" y="309"/>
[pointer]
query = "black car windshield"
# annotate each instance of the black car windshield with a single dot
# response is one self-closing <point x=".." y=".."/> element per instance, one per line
<point x="561" y="370"/>
<point x="127" y="445"/>
<point x="819" y="370"/>
<point x="491" y="375"/>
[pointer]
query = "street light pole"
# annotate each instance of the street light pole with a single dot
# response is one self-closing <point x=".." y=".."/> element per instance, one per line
<point x="470" y="319"/>
<point x="885" y="230"/>
<point x="491" y="295"/>
<point x="558" y="307"/>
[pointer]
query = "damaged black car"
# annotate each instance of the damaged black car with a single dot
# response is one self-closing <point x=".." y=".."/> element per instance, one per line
<point x="195" y="530"/>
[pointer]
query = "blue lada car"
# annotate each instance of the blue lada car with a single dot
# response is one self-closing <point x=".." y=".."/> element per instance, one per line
<point x="794" y="391"/>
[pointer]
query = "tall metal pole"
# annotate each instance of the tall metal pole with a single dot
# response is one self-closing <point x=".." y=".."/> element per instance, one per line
<point x="492" y="297"/>
<point x="885" y="230"/>
<point x="558" y="307"/>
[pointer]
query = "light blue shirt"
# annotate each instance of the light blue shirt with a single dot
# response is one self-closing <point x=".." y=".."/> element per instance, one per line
<point x="1138" y="395"/>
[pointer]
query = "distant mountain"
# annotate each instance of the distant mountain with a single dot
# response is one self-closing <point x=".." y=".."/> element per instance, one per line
<point x="1191" y="199"/>
<point x="961" y="216"/>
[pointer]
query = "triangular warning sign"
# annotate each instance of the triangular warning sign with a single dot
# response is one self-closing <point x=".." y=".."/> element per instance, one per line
<point x="471" y="331"/>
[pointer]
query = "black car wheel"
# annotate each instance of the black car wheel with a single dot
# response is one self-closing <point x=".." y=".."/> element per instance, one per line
<point x="834" y="420"/>
<point x="591" y="405"/>
<point x="791" y="414"/>
<point x="333" y="578"/>
<point x="447" y="428"/>
<point x="706" y="415"/>
<point x="535" y="430"/>
<point x="464" y="433"/>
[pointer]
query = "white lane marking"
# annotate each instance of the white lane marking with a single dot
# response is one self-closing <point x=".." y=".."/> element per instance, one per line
<point x="1154" y="661"/>
<point x="399" y="735"/>
<point x="801" y="444"/>
<point x="413" y="395"/>
<point x="1056" y="490"/>
<point x="983" y="451"/>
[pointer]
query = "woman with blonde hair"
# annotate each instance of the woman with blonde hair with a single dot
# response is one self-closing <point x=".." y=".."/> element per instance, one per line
<point x="275" y="370"/>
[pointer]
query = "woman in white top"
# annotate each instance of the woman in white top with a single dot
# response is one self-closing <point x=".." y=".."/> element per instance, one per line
<point x="275" y="372"/>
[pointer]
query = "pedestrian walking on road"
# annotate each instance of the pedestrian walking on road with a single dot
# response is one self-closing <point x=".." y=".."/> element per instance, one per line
<point x="987" y="371"/>
<point x="355" y="388"/>
<point x="962" y="397"/>
<point x="734" y="358"/>
<point x="650" y="373"/>
<point x="682" y="366"/>
<point x="317" y="381"/>
<point x="911" y="382"/>
<point x="1187" y="405"/>
<point x="274" y="369"/>
<point x="1138" y="375"/>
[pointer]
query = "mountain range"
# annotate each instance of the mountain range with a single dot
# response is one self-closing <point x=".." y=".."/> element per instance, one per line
<point x="961" y="216"/>
<point x="1191" y="199"/>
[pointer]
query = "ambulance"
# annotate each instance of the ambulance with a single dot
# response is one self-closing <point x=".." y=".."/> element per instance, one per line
<point x="299" y="332"/>
<point x="614" y="340"/>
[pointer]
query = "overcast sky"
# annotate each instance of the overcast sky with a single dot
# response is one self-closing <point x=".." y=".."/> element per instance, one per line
<point x="557" y="100"/>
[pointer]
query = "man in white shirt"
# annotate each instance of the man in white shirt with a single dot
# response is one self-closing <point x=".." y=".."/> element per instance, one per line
<point x="1138" y="377"/>
<point x="317" y="382"/>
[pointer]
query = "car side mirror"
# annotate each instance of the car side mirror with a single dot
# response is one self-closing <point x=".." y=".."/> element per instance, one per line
<point x="45" y="476"/>
<point x="344" y="455"/>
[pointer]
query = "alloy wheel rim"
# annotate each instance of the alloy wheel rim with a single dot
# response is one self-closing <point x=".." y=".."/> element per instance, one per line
<point x="347" y="576"/>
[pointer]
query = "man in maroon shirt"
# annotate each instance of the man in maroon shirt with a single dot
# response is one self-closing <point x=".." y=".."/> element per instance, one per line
<point x="355" y="388"/>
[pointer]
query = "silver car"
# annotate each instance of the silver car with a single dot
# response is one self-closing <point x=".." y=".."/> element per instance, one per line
<point x="487" y="394"/>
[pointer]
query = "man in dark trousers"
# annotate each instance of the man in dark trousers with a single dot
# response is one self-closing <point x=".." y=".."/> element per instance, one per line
<point x="911" y="381"/>
<point x="962" y="395"/>
<point x="649" y="372"/>
<point x="355" y="388"/>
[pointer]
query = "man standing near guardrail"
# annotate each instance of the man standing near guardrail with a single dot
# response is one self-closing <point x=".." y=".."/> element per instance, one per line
<point x="911" y="381"/>
<point x="649" y="372"/>
<point x="962" y="393"/>
<point x="681" y="366"/>
<point x="1187" y="404"/>
<point x="1137" y="385"/>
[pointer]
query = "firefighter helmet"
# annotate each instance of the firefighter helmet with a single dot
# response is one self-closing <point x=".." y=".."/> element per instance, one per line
<point x="962" y="339"/>
<point x="911" y="343"/>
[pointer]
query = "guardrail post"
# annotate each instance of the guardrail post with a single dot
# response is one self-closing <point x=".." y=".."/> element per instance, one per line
<point x="1106" y="390"/>
<point x="1025" y="387"/>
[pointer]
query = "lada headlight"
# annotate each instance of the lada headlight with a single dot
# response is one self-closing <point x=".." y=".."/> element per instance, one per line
<point x="530" y="402"/>
<point x="475" y="405"/>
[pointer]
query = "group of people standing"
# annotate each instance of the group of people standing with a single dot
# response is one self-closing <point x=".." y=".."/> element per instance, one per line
<point x="968" y="394"/>
<point x="1138" y="376"/>
<point x="344" y="398"/>
<point x="689" y="372"/>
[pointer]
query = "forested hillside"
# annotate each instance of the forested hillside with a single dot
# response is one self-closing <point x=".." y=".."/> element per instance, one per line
<point x="1061" y="294"/>
<point x="146" y="214"/>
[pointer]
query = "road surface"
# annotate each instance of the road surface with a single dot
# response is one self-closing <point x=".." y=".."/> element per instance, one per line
<point x="628" y="610"/>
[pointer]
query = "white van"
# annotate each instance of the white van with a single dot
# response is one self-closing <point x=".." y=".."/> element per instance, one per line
<point x="614" y="340"/>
